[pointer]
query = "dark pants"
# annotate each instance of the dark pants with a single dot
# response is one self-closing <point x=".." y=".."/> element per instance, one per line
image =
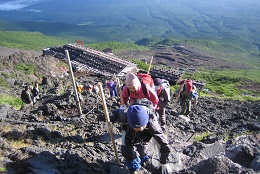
<point x="186" y="107"/>
<point x="162" y="117"/>
<point x="130" y="152"/>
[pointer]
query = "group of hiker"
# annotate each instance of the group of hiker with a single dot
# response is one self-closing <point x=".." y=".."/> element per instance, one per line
<point x="87" y="88"/>
<point x="142" y="114"/>
<point x="145" y="118"/>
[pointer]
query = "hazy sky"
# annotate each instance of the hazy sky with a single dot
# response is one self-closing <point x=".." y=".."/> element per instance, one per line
<point x="17" y="4"/>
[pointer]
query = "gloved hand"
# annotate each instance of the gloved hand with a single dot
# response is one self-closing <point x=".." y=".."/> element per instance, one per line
<point x="117" y="115"/>
<point x="165" y="168"/>
<point x="107" y="127"/>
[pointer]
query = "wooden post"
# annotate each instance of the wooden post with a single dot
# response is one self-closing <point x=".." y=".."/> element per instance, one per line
<point x="177" y="98"/>
<point x="150" y="65"/>
<point x="73" y="83"/>
<point x="119" y="91"/>
<point x="108" y="119"/>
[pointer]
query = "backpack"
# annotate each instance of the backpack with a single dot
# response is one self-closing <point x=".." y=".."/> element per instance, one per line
<point x="25" y="96"/>
<point x="80" y="88"/>
<point x="110" y="84"/>
<point x="188" y="86"/>
<point x="147" y="103"/>
<point x="166" y="85"/>
<point x="146" y="79"/>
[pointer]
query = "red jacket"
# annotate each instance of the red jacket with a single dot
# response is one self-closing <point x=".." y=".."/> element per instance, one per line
<point x="151" y="95"/>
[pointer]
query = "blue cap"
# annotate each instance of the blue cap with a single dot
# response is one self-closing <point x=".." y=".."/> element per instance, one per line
<point x="137" y="116"/>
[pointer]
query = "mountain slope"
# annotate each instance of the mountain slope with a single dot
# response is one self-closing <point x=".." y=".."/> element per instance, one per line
<point x="130" y="21"/>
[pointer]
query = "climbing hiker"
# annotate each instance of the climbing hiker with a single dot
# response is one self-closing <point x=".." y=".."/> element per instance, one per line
<point x="26" y="95"/>
<point x="187" y="94"/>
<point x="80" y="89"/>
<point x="162" y="88"/>
<point x="88" y="88"/>
<point x="134" y="89"/>
<point x="140" y="123"/>
<point x="35" y="92"/>
<point x="95" y="89"/>
<point x="111" y="85"/>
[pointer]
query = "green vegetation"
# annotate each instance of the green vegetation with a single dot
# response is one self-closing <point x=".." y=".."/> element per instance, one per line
<point x="11" y="100"/>
<point x="28" y="40"/>
<point x="62" y="64"/>
<point x="3" y="82"/>
<point x="116" y="46"/>
<point x="230" y="84"/>
<point x="201" y="136"/>
<point x="2" y="169"/>
<point x="157" y="42"/>
<point x="26" y="68"/>
<point x="141" y="64"/>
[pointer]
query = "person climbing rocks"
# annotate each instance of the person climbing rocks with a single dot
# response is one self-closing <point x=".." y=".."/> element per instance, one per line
<point x="112" y="86"/>
<point x="35" y="92"/>
<point x="134" y="90"/>
<point x="26" y="95"/>
<point x="95" y="89"/>
<point x="80" y="89"/>
<point x="162" y="88"/>
<point x="88" y="88"/>
<point x="140" y="123"/>
<point x="187" y="94"/>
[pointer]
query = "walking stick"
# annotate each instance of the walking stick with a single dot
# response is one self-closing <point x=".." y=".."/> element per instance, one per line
<point x="108" y="119"/>
<point x="150" y="65"/>
<point x="177" y="98"/>
<point x="119" y="91"/>
<point x="73" y="83"/>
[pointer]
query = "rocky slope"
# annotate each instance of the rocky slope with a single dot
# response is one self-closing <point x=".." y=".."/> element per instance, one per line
<point x="50" y="137"/>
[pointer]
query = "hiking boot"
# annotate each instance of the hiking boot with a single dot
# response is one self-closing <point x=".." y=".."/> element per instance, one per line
<point x="148" y="164"/>
<point x="187" y="113"/>
<point x="181" y="113"/>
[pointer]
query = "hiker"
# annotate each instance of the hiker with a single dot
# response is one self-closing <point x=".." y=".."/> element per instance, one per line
<point x="140" y="123"/>
<point x="26" y="95"/>
<point x="187" y="94"/>
<point x="162" y="88"/>
<point x="80" y="89"/>
<point x="95" y="89"/>
<point x="88" y="88"/>
<point x="35" y="92"/>
<point x="134" y="89"/>
<point x="111" y="85"/>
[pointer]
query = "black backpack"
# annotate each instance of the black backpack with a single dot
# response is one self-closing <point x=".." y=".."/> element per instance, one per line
<point x="147" y="103"/>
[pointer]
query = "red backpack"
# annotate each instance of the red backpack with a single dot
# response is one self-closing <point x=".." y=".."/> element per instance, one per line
<point x="146" y="79"/>
<point x="188" y="85"/>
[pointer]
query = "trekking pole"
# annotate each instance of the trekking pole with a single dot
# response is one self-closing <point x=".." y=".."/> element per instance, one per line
<point x="119" y="91"/>
<point x="73" y="83"/>
<point x="108" y="119"/>
<point x="150" y="65"/>
<point x="179" y="93"/>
